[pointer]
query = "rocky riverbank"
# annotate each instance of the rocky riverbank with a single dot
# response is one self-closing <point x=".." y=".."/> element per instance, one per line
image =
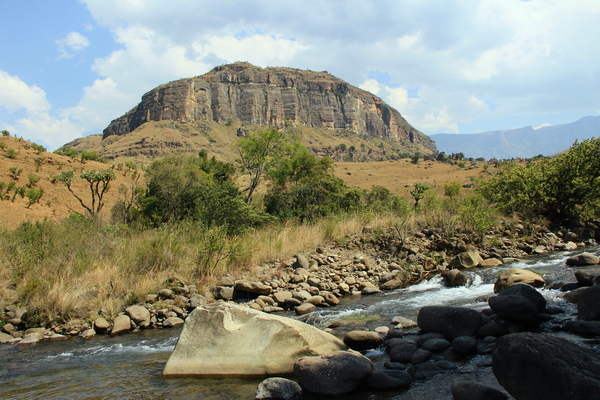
<point x="358" y="265"/>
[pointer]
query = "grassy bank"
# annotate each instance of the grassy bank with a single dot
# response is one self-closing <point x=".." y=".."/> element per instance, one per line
<point x="80" y="266"/>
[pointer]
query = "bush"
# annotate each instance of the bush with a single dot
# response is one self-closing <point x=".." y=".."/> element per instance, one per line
<point x="452" y="190"/>
<point x="11" y="153"/>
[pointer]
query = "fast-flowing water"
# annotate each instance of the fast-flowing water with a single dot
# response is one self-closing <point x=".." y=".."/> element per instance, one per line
<point x="130" y="366"/>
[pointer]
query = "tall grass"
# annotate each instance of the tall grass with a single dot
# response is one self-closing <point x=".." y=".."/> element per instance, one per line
<point x="81" y="264"/>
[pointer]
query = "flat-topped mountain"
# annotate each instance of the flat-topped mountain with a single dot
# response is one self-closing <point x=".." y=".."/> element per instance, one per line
<point x="247" y="97"/>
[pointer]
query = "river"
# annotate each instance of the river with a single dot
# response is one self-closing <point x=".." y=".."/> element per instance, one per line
<point x="130" y="366"/>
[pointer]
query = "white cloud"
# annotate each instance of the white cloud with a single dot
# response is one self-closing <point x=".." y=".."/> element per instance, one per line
<point x="16" y="94"/>
<point x="73" y="42"/>
<point x="545" y="124"/>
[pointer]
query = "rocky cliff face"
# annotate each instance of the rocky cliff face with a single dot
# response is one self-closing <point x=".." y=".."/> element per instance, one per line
<point x="279" y="97"/>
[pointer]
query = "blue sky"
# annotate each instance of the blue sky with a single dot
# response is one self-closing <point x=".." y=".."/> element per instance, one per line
<point x="69" y="67"/>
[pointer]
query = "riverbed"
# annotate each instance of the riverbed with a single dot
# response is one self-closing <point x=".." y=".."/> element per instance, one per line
<point x="130" y="366"/>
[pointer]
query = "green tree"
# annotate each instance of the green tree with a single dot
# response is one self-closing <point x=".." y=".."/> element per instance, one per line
<point x="14" y="172"/>
<point x="418" y="192"/>
<point x="197" y="188"/>
<point x="34" y="195"/>
<point x="452" y="190"/>
<point x="5" y="132"/>
<point x="33" y="180"/>
<point x="98" y="183"/>
<point x="257" y="152"/>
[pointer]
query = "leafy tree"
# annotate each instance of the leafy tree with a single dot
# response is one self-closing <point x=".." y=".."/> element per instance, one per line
<point x="418" y="192"/>
<point x="257" y="152"/>
<point x="14" y="172"/>
<point x="5" y="132"/>
<point x="33" y="180"/>
<point x="34" y="195"/>
<point x="197" y="188"/>
<point x="564" y="189"/>
<point x="98" y="183"/>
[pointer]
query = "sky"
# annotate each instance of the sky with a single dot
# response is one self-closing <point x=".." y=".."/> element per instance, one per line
<point x="69" y="67"/>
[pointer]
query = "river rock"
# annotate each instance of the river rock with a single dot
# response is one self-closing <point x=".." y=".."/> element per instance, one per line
<point x="467" y="390"/>
<point x="121" y="324"/>
<point x="224" y="292"/>
<point x="455" y="277"/>
<point x="535" y="366"/>
<point x="512" y="276"/>
<point x="280" y="297"/>
<point x="490" y="263"/>
<point x="166" y="294"/>
<point x="586" y="328"/>
<point x="495" y="329"/>
<point x="5" y="338"/>
<point x="172" y="321"/>
<point x="389" y="379"/>
<point x="436" y="345"/>
<point x="101" y="325"/>
<point x="420" y="356"/>
<point x="334" y="373"/>
<point x="528" y="292"/>
<point x="464" y="345"/>
<point x="140" y="315"/>
<point x="568" y="246"/>
<point x="391" y="284"/>
<point x="28" y="341"/>
<point x="452" y="322"/>
<point x="588" y="306"/>
<point x="402" y="322"/>
<point x="515" y="309"/>
<point x="584" y="278"/>
<point x="252" y="287"/>
<point x="583" y="259"/>
<point x="302" y="261"/>
<point x="278" y="389"/>
<point x="196" y="300"/>
<point x="229" y="339"/>
<point x="362" y="340"/>
<point x="403" y="353"/>
<point x="466" y="259"/>
<point x="305" y="308"/>
<point x="87" y="334"/>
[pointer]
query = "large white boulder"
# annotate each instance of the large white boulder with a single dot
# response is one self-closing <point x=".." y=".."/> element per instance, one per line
<point x="229" y="339"/>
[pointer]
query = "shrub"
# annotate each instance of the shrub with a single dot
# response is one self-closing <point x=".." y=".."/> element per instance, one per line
<point x="33" y="180"/>
<point x="14" y="172"/>
<point x="452" y="190"/>
<point x="5" y="132"/>
<point x="565" y="189"/>
<point x="11" y="153"/>
<point x="34" y="195"/>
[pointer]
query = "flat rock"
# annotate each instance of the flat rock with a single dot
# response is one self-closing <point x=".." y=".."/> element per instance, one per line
<point x="229" y="339"/>
<point x="363" y="340"/>
<point x="389" y="379"/>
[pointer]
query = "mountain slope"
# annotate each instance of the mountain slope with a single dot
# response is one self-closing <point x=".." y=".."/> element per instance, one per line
<point x="519" y="143"/>
<point x="211" y="110"/>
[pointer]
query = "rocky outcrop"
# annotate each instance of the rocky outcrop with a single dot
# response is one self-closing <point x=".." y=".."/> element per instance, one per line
<point x="276" y="97"/>
<point x="229" y="339"/>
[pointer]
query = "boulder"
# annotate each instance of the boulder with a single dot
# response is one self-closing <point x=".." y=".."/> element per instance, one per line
<point x="515" y="309"/>
<point x="224" y="292"/>
<point x="121" y="324"/>
<point x="278" y="389"/>
<point x="535" y="366"/>
<point x="140" y="315"/>
<point x="363" y="340"/>
<point x="467" y="390"/>
<point x="391" y="284"/>
<point x="512" y="276"/>
<point x="586" y="328"/>
<point x="402" y="322"/>
<point x="528" y="292"/>
<point x="172" y="321"/>
<point x="302" y="261"/>
<point x="588" y="305"/>
<point x="305" y="308"/>
<point x="389" y="379"/>
<point x="466" y="259"/>
<point x="229" y="339"/>
<point x="5" y="338"/>
<point x="585" y="278"/>
<point x="334" y="373"/>
<point x="196" y="300"/>
<point x="452" y="322"/>
<point x="454" y="278"/>
<point x="583" y="259"/>
<point x="87" y="334"/>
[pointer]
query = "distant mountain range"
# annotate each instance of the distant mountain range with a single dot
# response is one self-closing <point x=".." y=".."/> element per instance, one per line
<point x="519" y="143"/>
